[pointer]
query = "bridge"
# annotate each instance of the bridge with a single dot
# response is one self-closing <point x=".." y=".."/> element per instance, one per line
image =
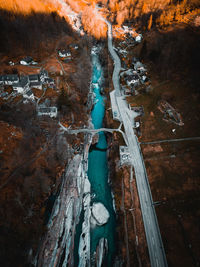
<point x="93" y="131"/>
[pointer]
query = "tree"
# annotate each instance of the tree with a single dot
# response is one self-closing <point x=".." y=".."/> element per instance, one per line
<point x="150" y="22"/>
<point x="63" y="100"/>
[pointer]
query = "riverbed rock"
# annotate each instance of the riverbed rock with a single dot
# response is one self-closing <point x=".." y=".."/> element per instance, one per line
<point x="100" y="215"/>
<point x="101" y="251"/>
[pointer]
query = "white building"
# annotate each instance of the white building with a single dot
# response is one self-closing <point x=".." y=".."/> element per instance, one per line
<point x="64" y="53"/>
<point x="138" y="38"/>
<point x="26" y="61"/>
<point x="124" y="155"/>
<point x="48" y="111"/>
<point x="29" y="95"/>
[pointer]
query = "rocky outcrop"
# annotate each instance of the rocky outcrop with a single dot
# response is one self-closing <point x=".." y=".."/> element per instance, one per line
<point x="101" y="251"/>
<point x="57" y="247"/>
<point x="100" y="215"/>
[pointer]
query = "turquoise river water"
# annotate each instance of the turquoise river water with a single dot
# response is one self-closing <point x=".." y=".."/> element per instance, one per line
<point x="98" y="168"/>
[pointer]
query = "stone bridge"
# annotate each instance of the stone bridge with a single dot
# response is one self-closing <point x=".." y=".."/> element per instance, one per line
<point x="93" y="131"/>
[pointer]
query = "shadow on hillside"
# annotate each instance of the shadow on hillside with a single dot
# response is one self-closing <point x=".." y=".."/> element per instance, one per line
<point x="29" y="32"/>
<point x="174" y="53"/>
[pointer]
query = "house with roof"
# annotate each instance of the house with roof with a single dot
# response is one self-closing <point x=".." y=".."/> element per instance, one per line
<point x="22" y="85"/>
<point x="48" y="111"/>
<point x="26" y="61"/>
<point x="139" y="67"/>
<point x="43" y="75"/>
<point x="10" y="79"/>
<point x="35" y="81"/>
<point x="50" y="82"/>
<point x="34" y="78"/>
<point x="64" y="53"/>
<point x="29" y="95"/>
<point x="74" y="46"/>
<point x="1" y="80"/>
<point x="133" y="80"/>
<point x="138" y="38"/>
<point x="37" y="85"/>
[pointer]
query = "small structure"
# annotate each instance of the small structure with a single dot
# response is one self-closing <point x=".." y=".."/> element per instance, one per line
<point x="34" y="78"/>
<point x="138" y="38"/>
<point x="64" y="53"/>
<point x="26" y="61"/>
<point x="11" y="63"/>
<point x="9" y="79"/>
<point x="134" y="60"/>
<point x="29" y="94"/>
<point x="133" y="80"/>
<point x="74" y="46"/>
<point x="48" y="111"/>
<point x="43" y="75"/>
<point x="22" y="85"/>
<point x="1" y="79"/>
<point x="35" y="81"/>
<point x="144" y="79"/>
<point x="139" y="110"/>
<point x="139" y="67"/>
<point x="170" y="113"/>
<point x="124" y="155"/>
<point x="37" y="85"/>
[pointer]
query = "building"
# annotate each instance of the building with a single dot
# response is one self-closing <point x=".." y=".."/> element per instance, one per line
<point x="133" y="80"/>
<point x="50" y="82"/>
<point x="22" y="85"/>
<point x="74" y="46"/>
<point x="64" y="53"/>
<point x="9" y="79"/>
<point x="124" y="155"/>
<point x="29" y="94"/>
<point x="48" y="111"/>
<point x="26" y="61"/>
<point x="138" y="38"/>
<point x="37" y="85"/>
<point x="33" y="78"/>
<point x="43" y="75"/>
<point x="139" y="67"/>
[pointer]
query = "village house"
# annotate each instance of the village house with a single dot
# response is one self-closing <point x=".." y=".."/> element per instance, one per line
<point x="26" y="61"/>
<point x="22" y="85"/>
<point x="133" y="80"/>
<point x="74" y="46"/>
<point x="138" y="38"/>
<point x="139" y="67"/>
<point x="124" y="155"/>
<point x="35" y="81"/>
<point x="48" y="111"/>
<point x="29" y="95"/>
<point x="43" y="75"/>
<point x="64" y="53"/>
<point x="9" y="79"/>
<point x="34" y="78"/>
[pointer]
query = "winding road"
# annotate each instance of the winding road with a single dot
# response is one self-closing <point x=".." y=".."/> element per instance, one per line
<point x="154" y="240"/>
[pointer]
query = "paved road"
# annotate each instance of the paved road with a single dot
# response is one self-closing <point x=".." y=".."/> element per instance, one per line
<point x="117" y="62"/>
<point x="154" y="240"/>
<point x="170" y="140"/>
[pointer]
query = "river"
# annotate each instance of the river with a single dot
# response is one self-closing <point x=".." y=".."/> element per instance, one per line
<point x="98" y="167"/>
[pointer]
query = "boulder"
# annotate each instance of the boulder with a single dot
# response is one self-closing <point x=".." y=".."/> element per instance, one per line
<point x="100" y="215"/>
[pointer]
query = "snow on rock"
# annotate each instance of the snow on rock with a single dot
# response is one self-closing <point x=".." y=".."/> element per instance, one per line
<point x="100" y="215"/>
